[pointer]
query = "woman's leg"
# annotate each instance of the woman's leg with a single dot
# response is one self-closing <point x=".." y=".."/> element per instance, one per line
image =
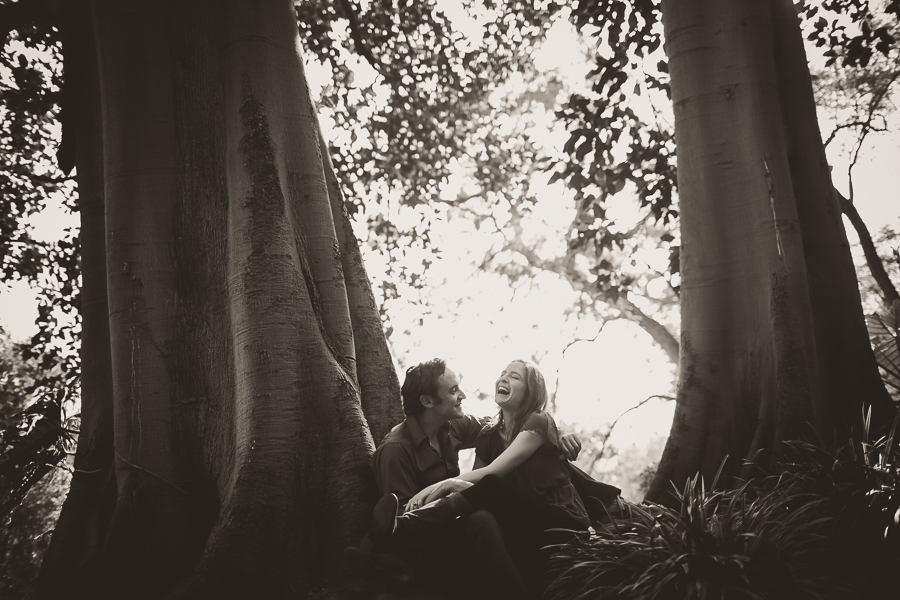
<point x="524" y="520"/>
<point x="515" y="508"/>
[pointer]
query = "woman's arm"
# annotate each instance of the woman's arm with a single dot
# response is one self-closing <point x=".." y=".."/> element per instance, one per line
<point x="525" y="444"/>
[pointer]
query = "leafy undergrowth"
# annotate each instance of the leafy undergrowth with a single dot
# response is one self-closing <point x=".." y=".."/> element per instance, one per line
<point x="825" y="525"/>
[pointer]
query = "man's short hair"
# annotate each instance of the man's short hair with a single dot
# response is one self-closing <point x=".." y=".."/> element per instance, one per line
<point x="421" y="379"/>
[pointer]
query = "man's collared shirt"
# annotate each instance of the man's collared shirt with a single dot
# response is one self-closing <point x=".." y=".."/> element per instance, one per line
<point x="406" y="462"/>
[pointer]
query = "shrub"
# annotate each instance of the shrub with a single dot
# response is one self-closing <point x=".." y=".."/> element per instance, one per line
<point x="717" y="544"/>
<point x="824" y="524"/>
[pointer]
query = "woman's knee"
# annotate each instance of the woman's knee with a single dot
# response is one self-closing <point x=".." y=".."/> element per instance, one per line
<point x="480" y="521"/>
<point x="490" y="482"/>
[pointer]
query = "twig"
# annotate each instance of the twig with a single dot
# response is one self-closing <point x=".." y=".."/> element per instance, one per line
<point x="139" y="468"/>
<point x="616" y="421"/>
<point x="563" y="357"/>
<point x="867" y="126"/>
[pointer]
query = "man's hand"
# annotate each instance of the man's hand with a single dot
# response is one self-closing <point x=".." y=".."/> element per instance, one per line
<point x="570" y="446"/>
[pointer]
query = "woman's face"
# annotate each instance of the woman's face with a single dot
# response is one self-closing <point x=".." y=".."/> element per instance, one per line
<point x="510" y="390"/>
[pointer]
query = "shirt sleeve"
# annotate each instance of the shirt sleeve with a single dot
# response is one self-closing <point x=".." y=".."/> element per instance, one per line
<point x="542" y="424"/>
<point x="483" y="443"/>
<point x="468" y="427"/>
<point x="395" y="472"/>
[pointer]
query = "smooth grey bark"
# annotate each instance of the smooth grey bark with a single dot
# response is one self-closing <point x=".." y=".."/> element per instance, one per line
<point x="773" y="342"/>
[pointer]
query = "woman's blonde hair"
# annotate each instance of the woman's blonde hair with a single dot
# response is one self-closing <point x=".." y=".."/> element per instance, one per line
<point x="535" y="397"/>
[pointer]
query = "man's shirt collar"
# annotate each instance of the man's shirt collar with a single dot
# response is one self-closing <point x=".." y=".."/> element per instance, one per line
<point x="417" y="434"/>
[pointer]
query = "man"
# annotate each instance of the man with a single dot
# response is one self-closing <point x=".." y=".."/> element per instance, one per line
<point x="423" y="450"/>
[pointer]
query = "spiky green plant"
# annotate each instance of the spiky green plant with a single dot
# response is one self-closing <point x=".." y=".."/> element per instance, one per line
<point x="824" y="524"/>
<point x="859" y="487"/>
<point x="716" y="544"/>
<point x="884" y="334"/>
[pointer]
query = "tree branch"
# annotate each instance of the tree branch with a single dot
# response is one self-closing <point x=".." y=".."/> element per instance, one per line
<point x="612" y="426"/>
<point x="566" y="349"/>
<point x="660" y="334"/>
<point x="148" y="472"/>
<point x="867" y="125"/>
<point x="842" y="126"/>
<point x="876" y="265"/>
<point x="461" y="199"/>
<point x="356" y="33"/>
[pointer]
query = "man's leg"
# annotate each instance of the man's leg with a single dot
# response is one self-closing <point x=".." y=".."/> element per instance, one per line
<point x="493" y="572"/>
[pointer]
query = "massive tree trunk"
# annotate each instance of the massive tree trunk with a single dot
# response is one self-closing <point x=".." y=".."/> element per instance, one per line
<point x="235" y="370"/>
<point x="773" y="342"/>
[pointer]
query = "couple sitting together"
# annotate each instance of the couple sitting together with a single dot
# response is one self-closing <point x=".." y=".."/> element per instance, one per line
<point x="484" y="533"/>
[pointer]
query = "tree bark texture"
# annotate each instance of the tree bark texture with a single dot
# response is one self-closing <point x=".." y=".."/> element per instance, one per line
<point x="773" y="339"/>
<point x="235" y="366"/>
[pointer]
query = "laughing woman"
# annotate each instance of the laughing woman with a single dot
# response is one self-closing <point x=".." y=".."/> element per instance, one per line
<point x="520" y="476"/>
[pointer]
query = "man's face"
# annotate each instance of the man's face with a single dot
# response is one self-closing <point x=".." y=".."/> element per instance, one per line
<point x="449" y="397"/>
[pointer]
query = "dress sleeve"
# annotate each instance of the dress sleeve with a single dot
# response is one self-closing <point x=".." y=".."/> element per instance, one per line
<point x="542" y="424"/>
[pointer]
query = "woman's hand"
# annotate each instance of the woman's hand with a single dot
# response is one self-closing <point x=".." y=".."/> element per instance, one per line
<point x="436" y="492"/>
<point x="447" y="487"/>
<point x="420" y="499"/>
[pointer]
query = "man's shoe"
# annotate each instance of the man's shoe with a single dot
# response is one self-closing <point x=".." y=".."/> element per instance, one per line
<point x="384" y="521"/>
<point x="386" y="569"/>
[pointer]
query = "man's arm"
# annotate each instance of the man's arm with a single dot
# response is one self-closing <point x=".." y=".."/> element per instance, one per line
<point x="395" y="472"/>
<point x="467" y="429"/>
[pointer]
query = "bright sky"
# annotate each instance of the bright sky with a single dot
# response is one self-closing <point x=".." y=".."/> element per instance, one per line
<point x="478" y="324"/>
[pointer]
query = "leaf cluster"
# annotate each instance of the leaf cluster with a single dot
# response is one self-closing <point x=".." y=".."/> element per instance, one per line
<point x="853" y="46"/>
<point x="35" y="440"/>
<point x="884" y="334"/>
<point x="821" y="525"/>
<point x="430" y="92"/>
<point x="714" y="544"/>
<point x="31" y="79"/>
<point x="618" y="140"/>
<point x="412" y="102"/>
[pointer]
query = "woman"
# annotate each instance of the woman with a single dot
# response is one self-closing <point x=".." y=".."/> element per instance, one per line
<point x="520" y="477"/>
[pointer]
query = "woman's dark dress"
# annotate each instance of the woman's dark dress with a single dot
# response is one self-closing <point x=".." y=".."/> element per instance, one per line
<point x="544" y="474"/>
<point x="532" y="503"/>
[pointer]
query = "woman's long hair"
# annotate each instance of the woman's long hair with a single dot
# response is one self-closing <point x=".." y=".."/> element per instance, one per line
<point x="535" y="398"/>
